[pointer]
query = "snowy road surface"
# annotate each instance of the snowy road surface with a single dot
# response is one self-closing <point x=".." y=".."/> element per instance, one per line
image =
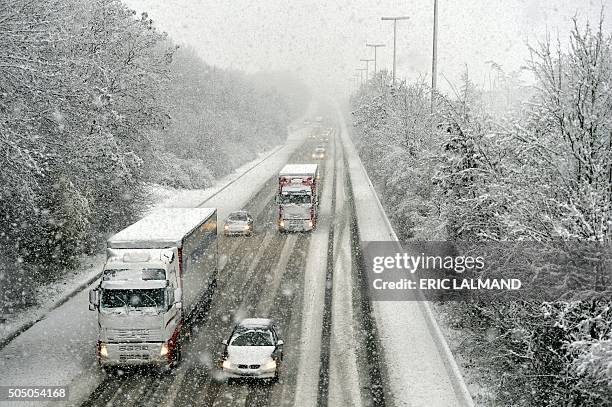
<point x="307" y="282"/>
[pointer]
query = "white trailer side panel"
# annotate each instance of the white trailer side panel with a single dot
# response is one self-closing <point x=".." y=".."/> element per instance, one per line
<point x="199" y="263"/>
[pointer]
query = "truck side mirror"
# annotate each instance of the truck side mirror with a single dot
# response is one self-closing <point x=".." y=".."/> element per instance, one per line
<point x="224" y="342"/>
<point x="279" y="343"/>
<point x="94" y="299"/>
<point x="170" y="296"/>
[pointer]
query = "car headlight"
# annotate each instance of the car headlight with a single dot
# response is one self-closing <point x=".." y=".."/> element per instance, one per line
<point x="103" y="350"/>
<point x="314" y="156"/>
<point x="270" y="365"/>
<point x="246" y="227"/>
<point x="226" y="364"/>
<point x="282" y="224"/>
<point x="310" y="223"/>
<point x="226" y="227"/>
<point x="164" y="350"/>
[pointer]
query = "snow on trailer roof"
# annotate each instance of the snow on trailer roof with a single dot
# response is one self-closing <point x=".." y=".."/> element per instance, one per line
<point x="163" y="228"/>
<point x="299" y="169"/>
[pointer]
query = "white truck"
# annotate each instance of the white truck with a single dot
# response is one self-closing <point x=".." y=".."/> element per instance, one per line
<point x="157" y="272"/>
<point x="298" y="197"/>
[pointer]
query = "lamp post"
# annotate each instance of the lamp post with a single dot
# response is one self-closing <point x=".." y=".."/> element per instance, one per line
<point x="375" y="46"/>
<point x="395" y="20"/>
<point x="434" y="58"/>
<point x="360" y="75"/>
<point x="367" y="61"/>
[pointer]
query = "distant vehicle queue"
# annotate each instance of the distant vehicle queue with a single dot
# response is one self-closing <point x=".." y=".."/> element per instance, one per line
<point x="159" y="270"/>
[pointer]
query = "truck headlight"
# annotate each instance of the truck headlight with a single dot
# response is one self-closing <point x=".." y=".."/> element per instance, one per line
<point x="246" y="227"/>
<point x="103" y="351"/>
<point x="164" y="350"/>
<point x="226" y="227"/>
<point x="226" y="364"/>
<point x="270" y="365"/>
<point x="310" y="223"/>
<point x="282" y="223"/>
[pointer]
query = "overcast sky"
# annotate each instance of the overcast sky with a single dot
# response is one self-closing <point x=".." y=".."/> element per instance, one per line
<point x="323" y="40"/>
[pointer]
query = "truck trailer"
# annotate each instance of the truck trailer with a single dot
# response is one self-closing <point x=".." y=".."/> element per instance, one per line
<point x="298" y="197"/>
<point x="158" y="271"/>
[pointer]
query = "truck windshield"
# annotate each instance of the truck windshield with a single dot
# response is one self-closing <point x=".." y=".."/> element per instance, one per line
<point x="133" y="298"/>
<point x="294" y="199"/>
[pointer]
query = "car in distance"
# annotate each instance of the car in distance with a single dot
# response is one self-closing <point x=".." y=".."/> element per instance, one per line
<point x="319" y="153"/>
<point x="238" y="223"/>
<point x="325" y="136"/>
<point x="253" y="350"/>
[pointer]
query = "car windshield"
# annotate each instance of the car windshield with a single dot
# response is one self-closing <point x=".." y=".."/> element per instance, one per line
<point x="253" y="338"/>
<point x="132" y="298"/>
<point x="239" y="216"/>
<point x="295" y="199"/>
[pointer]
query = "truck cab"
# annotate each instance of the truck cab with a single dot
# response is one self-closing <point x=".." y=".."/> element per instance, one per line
<point x="298" y="197"/>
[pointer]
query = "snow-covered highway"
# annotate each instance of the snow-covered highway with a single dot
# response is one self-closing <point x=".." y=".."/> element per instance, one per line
<point x="308" y="282"/>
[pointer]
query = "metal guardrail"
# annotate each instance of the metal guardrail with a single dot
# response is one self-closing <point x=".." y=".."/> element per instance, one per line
<point x="370" y="211"/>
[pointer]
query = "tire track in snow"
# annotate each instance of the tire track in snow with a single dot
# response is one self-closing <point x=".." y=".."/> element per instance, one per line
<point x="344" y="378"/>
<point x="323" y="384"/>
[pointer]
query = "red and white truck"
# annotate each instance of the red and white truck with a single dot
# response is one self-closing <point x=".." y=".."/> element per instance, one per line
<point x="157" y="272"/>
<point x="298" y="197"/>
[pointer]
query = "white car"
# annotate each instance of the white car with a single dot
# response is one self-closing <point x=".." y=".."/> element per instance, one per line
<point x="238" y="223"/>
<point x="319" y="152"/>
<point x="253" y="350"/>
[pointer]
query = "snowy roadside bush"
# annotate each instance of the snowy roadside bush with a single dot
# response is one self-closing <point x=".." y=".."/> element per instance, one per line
<point x="222" y="118"/>
<point x="395" y="135"/>
<point x="78" y="102"/>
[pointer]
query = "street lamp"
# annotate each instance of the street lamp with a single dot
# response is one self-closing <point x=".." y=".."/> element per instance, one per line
<point x="367" y="61"/>
<point x="374" y="46"/>
<point x="394" y="19"/>
<point x="434" y="58"/>
<point x="360" y="75"/>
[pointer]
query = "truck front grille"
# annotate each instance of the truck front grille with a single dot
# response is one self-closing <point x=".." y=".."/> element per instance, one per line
<point x="132" y="335"/>
<point x="131" y="356"/>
